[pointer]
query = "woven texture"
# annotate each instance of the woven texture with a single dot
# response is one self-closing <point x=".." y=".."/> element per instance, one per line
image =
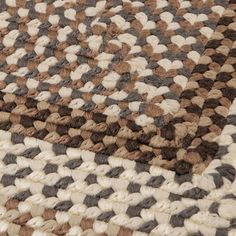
<point x="117" y="117"/>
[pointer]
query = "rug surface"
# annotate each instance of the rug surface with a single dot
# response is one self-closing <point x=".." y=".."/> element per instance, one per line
<point x="118" y="117"/>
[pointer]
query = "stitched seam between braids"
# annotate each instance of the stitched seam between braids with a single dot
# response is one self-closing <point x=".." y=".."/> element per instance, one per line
<point x="27" y="42"/>
<point x="79" y="109"/>
<point x="8" y="116"/>
<point x="59" y="105"/>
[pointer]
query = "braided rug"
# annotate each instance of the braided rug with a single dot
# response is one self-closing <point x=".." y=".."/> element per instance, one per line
<point x="117" y="117"/>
